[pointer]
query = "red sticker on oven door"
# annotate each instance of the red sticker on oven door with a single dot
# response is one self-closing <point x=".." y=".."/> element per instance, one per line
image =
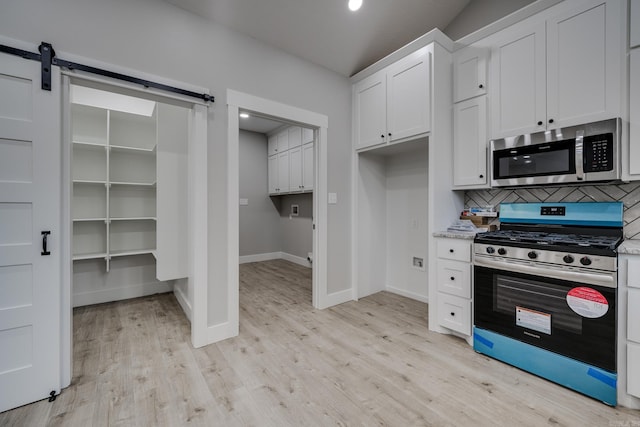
<point x="587" y="302"/>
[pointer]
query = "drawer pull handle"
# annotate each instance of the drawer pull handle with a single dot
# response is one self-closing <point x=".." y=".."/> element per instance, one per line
<point x="453" y="278"/>
<point x="451" y="250"/>
<point x="453" y="314"/>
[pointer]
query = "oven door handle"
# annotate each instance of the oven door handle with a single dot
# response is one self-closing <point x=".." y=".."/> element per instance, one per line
<point x="597" y="279"/>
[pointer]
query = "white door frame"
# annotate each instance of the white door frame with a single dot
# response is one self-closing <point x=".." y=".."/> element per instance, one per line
<point x="241" y="101"/>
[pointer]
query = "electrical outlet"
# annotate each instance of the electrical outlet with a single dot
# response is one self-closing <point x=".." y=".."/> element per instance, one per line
<point x="418" y="263"/>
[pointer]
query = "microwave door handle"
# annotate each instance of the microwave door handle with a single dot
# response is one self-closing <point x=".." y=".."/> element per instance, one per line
<point x="580" y="155"/>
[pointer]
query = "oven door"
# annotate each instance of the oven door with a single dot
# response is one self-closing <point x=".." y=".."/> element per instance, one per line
<point x="574" y="319"/>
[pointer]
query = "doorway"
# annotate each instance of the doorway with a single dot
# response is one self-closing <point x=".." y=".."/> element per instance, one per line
<point x="237" y="101"/>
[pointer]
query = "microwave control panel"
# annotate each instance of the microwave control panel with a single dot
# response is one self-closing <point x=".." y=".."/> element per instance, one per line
<point x="598" y="153"/>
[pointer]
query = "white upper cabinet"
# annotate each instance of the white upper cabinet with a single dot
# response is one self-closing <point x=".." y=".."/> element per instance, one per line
<point x="408" y="98"/>
<point x="470" y="143"/>
<point x="469" y="73"/>
<point x="272" y="145"/>
<point x="370" y="103"/>
<point x="634" y="115"/>
<point x="307" y="166"/>
<point x="394" y="103"/>
<point x="295" y="169"/>
<point x="519" y="83"/>
<point x="634" y="28"/>
<point x="584" y="65"/>
<point x="295" y="136"/>
<point x="283" y="171"/>
<point x="307" y="135"/>
<point x="272" y="167"/>
<point x="283" y="141"/>
<point x="559" y="73"/>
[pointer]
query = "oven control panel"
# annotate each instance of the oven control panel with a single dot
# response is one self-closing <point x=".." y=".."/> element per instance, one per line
<point x="553" y="210"/>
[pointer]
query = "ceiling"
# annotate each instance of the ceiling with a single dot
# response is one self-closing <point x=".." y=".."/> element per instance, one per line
<point x="258" y="124"/>
<point x="326" y="32"/>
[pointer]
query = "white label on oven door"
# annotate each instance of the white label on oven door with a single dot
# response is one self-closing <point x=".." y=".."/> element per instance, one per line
<point x="534" y="320"/>
<point x="587" y="302"/>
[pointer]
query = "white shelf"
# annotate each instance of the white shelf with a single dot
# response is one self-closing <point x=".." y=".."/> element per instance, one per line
<point x="138" y="218"/>
<point x="89" y="144"/>
<point x="135" y="184"/>
<point x="125" y="148"/>
<point x="88" y="181"/>
<point x="79" y="257"/>
<point x="89" y="219"/>
<point x="115" y="254"/>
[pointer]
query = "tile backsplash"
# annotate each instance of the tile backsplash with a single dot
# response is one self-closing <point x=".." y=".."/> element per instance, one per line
<point x="628" y="194"/>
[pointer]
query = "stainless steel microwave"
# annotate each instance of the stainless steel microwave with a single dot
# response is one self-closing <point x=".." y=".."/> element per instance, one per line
<point x="584" y="153"/>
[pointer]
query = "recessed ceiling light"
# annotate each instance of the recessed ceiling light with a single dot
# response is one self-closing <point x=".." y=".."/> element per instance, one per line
<point x="355" y="5"/>
<point x="244" y="115"/>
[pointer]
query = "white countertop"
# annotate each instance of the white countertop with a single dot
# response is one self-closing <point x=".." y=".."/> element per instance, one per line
<point x="465" y="235"/>
<point x="630" y="247"/>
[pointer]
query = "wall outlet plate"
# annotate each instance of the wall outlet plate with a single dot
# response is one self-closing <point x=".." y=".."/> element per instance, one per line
<point x="418" y="263"/>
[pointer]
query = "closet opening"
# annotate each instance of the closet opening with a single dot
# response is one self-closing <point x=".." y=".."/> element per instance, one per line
<point x="130" y="193"/>
<point x="276" y="184"/>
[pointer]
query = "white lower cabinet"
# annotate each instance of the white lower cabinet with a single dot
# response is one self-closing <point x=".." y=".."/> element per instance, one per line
<point x="454" y="277"/>
<point x="633" y="323"/>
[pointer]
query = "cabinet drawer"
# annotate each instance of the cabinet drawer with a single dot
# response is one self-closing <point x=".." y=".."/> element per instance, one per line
<point x="454" y="277"/>
<point x="633" y="272"/>
<point x="454" y="313"/>
<point x="633" y="369"/>
<point x="455" y="249"/>
<point x="633" y="315"/>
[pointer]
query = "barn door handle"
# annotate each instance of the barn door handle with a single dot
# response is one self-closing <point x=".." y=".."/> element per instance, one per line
<point x="44" y="243"/>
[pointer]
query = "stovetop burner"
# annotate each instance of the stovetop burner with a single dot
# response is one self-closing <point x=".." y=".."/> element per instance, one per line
<point x="554" y="239"/>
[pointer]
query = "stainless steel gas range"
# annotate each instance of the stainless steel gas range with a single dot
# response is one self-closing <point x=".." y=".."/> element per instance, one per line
<point x="545" y="288"/>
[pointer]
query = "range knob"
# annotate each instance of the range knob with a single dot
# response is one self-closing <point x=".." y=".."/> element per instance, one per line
<point x="585" y="260"/>
<point x="532" y="255"/>
<point x="502" y="251"/>
<point x="490" y="249"/>
<point x="568" y="259"/>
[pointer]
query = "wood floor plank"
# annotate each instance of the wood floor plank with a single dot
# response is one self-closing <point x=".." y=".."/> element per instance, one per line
<point x="370" y="362"/>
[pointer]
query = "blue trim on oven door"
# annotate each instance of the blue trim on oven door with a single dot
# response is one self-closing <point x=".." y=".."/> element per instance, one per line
<point x="590" y="380"/>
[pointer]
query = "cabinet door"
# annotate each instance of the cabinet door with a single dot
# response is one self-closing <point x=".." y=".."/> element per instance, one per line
<point x="308" y="165"/>
<point x="295" y="136"/>
<point x="370" y="111"/>
<point x="470" y="143"/>
<point x="295" y="169"/>
<point x="633" y="369"/>
<point x="519" y="84"/>
<point x="454" y="313"/>
<point x="469" y="73"/>
<point x="584" y="57"/>
<point x="283" y="172"/>
<point x="283" y="141"/>
<point x="272" y="167"/>
<point x="634" y="24"/>
<point x="633" y="315"/>
<point x="634" y="113"/>
<point x="307" y="135"/>
<point x="408" y="96"/>
<point x="171" y="193"/>
<point x="272" y="145"/>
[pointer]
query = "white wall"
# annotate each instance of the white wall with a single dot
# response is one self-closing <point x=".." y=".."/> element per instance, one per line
<point x="480" y="13"/>
<point x="260" y="219"/>
<point x="297" y="231"/>
<point x="407" y="200"/>
<point x="161" y="39"/>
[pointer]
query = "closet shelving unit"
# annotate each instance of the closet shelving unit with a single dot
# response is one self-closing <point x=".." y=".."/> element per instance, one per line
<point x="114" y="183"/>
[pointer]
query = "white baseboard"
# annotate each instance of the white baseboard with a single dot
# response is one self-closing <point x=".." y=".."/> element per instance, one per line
<point x="182" y="299"/>
<point x="260" y="257"/>
<point x="117" y="294"/>
<point x="295" y="259"/>
<point x="408" y="294"/>
<point x="275" y="255"/>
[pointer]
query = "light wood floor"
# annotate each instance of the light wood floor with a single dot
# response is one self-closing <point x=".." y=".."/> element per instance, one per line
<point x="371" y="362"/>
